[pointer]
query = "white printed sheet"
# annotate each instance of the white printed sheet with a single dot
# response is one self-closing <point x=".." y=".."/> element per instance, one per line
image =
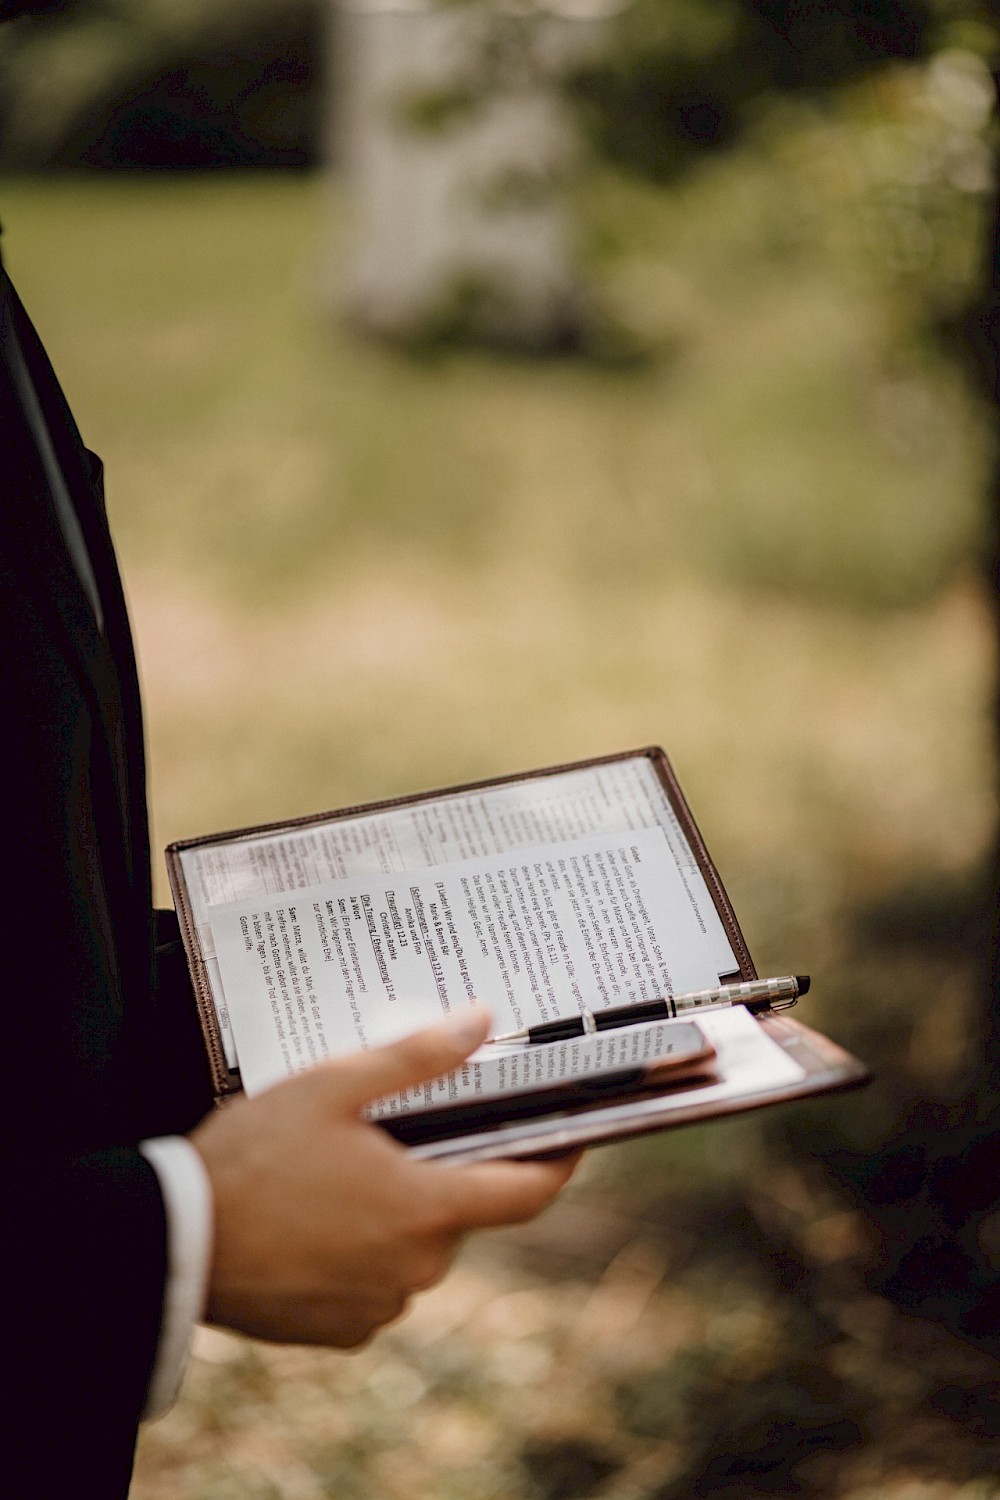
<point x="749" y="1064"/>
<point x="614" y="798"/>
<point x="533" y="935"/>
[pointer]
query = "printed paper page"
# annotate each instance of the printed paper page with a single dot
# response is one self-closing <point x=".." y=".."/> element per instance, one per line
<point x="496" y="1073"/>
<point x="624" y="795"/>
<point x="749" y="1064"/>
<point x="536" y="934"/>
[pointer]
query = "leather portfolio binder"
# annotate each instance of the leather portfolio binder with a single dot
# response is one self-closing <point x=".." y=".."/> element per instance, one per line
<point x="565" y="894"/>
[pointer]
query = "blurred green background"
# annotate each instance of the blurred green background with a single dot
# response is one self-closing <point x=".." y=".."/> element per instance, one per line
<point x="748" y="521"/>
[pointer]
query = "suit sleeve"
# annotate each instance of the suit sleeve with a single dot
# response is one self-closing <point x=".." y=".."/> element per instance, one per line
<point x="93" y="1057"/>
<point x="83" y="1252"/>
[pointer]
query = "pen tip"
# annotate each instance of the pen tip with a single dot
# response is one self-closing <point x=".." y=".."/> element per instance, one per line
<point x="803" y="981"/>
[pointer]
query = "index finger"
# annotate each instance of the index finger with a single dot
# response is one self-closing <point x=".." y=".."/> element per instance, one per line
<point x="486" y="1195"/>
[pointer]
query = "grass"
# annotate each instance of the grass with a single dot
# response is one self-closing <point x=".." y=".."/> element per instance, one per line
<point x="356" y="572"/>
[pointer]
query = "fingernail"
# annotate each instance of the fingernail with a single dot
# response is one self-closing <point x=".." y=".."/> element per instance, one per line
<point x="467" y="1028"/>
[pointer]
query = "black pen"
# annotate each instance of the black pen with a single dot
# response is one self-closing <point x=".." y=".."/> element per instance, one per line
<point x="755" y="994"/>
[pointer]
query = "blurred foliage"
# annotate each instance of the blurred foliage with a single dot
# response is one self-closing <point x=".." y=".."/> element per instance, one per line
<point x="683" y="75"/>
<point x="888" y="198"/>
<point x="152" y="83"/>
<point x="163" y="83"/>
<point x="868" y="128"/>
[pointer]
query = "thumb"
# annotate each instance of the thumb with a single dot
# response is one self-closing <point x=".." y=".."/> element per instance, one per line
<point x="414" y="1059"/>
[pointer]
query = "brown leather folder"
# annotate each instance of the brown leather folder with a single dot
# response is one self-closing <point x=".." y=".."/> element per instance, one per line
<point x="224" y="866"/>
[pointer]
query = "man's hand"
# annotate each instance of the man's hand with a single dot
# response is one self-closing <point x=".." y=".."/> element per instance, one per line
<point x="323" y="1225"/>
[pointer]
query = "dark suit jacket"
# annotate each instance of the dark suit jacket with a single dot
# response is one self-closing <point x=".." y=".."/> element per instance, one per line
<point x="99" y="1046"/>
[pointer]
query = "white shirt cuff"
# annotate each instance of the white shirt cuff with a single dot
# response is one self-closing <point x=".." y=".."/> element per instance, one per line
<point x="187" y="1201"/>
